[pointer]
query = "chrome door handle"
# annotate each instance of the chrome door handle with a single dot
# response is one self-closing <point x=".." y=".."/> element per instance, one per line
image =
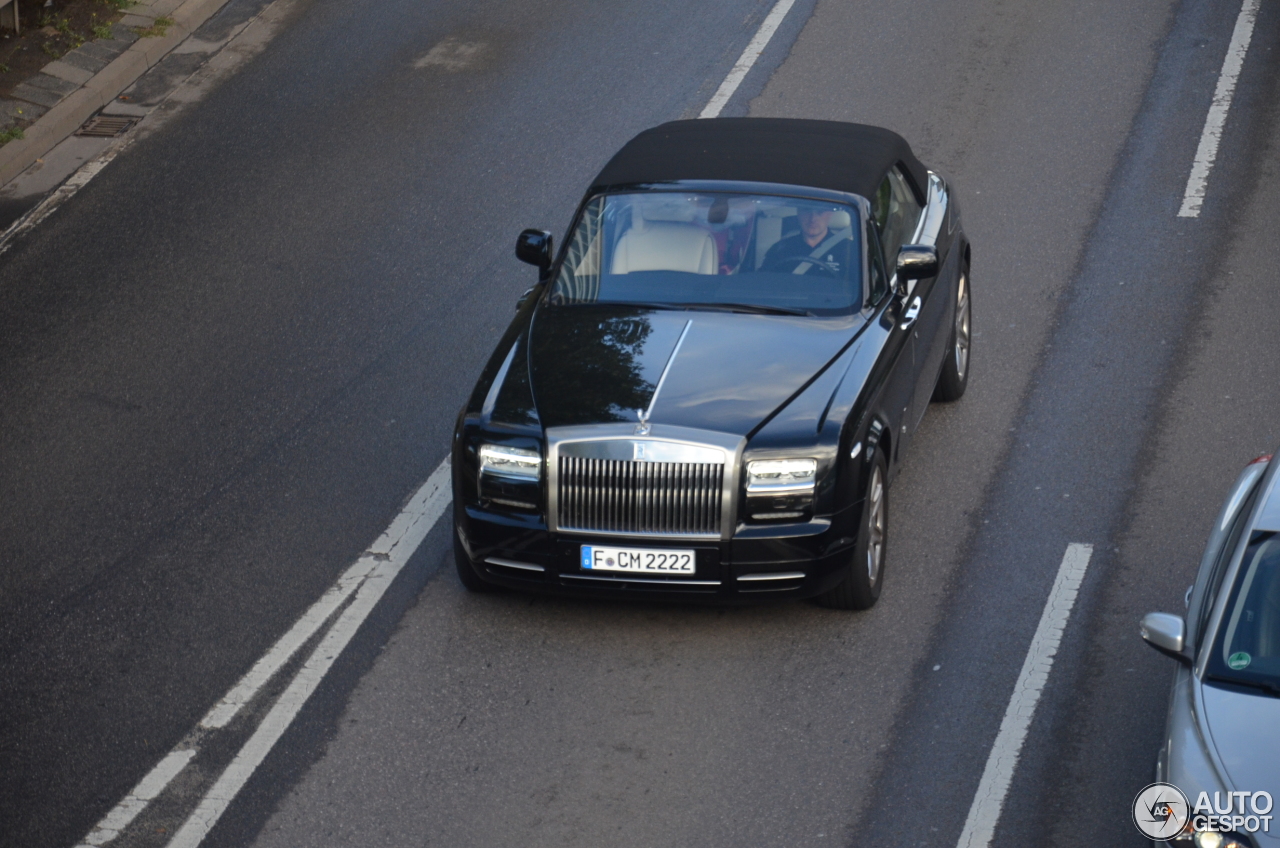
<point x="909" y="317"/>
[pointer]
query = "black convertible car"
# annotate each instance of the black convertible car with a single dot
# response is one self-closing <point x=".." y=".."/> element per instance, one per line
<point x="711" y="386"/>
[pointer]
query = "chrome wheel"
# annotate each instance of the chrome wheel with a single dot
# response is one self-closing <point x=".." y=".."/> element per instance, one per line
<point x="875" y="526"/>
<point x="962" y="326"/>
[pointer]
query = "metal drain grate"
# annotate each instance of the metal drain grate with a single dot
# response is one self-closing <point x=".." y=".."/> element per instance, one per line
<point x="106" y="126"/>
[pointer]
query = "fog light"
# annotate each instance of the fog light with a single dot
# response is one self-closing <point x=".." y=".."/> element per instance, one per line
<point x="1208" y="839"/>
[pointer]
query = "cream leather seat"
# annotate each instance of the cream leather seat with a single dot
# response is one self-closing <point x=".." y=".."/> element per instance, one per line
<point x="662" y="239"/>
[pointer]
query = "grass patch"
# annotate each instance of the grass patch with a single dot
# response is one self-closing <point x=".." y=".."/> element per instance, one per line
<point x="157" y="29"/>
<point x="102" y="31"/>
<point x="10" y="135"/>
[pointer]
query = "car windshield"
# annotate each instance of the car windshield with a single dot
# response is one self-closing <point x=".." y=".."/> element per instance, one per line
<point x="1247" y="648"/>
<point x="714" y="250"/>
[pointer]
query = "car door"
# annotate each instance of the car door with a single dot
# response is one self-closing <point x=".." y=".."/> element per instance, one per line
<point x="896" y="357"/>
<point x="927" y="303"/>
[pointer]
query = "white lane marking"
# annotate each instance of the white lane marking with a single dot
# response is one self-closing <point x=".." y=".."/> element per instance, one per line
<point x="1207" y="152"/>
<point x="136" y="801"/>
<point x="288" y="644"/>
<point x="59" y="196"/>
<point x="392" y="550"/>
<point x="748" y="58"/>
<point x="368" y="578"/>
<point x="264" y="669"/>
<point x="984" y="813"/>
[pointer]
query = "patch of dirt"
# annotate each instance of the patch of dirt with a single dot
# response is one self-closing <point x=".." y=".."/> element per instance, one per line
<point x="50" y="31"/>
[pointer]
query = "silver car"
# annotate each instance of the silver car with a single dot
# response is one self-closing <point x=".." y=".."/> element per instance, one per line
<point x="1222" y="739"/>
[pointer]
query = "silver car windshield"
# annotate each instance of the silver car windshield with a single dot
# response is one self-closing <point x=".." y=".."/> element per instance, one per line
<point x="773" y="253"/>
<point x="1247" y="648"/>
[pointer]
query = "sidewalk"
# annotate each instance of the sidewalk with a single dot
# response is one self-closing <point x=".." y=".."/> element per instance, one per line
<point x="70" y="90"/>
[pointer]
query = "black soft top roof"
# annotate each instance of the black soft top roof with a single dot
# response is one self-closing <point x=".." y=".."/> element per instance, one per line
<point x="822" y="154"/>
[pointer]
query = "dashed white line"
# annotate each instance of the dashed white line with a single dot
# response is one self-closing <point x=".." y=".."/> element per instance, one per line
<point x="984" y="813"/>
<point x="748" y="58"/>
<point x="1207" y="151"/>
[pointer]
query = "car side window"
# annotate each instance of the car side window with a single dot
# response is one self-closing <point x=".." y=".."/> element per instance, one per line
<point x="1224" y="558"/>
<point x="896" y="213"/>
<point x="877" y="279"/>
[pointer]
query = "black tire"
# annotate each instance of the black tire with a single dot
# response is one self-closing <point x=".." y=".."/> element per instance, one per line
<point x="955" y="368"/>
<point x="864" y="576"/>
<point x="467" y="574"/>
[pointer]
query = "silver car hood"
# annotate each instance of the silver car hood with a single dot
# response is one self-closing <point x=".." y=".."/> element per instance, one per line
<point x="1245" y="729"/>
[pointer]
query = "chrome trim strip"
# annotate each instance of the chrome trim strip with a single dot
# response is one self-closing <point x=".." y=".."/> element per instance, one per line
<point x="643" y="580"/>
<point x="935" y="212"/>
<point x="648" y="537"/>
<point x="644" y="419"/>
<point x="930" y="224"/>
<point x="781" y="575"/>
<point x="510" y="563"/>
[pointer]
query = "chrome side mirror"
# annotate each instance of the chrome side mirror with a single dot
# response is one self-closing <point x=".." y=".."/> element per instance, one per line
<point x="917" y="261"/>
<point x="1166" y="633"/>
<point x="534" y="247"/>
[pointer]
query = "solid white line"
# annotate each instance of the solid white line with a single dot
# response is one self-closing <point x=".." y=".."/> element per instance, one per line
<point x="984" y="813"/>
<point x="748" y="58"/>
<point x="60" y="195"/>
<point x="393" y="549"/>
<point x="136" y="801"/>
<point x="264" y="669"/>
<point x="1198" y="181"/>
<point x="288" y="644"/>
<point x="367" y="578"/>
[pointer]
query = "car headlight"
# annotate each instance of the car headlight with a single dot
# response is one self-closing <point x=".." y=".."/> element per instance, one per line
<point x="510" y="475"/>
<point x="780" y="488"/>
<point x="520" y="463"/>
<point x="1215" y="839"/>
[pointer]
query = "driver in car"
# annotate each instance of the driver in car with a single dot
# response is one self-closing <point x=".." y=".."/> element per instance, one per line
<point x="815" y="241"/>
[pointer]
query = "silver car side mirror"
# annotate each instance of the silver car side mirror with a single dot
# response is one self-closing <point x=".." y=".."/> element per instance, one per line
<point x="1167" y="633"/>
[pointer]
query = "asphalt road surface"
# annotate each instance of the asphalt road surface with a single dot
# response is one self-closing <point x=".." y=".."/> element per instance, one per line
<point x="229" y="359"/>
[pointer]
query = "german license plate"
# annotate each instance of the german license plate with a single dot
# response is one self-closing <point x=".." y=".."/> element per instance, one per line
<point x="637" y="560"/>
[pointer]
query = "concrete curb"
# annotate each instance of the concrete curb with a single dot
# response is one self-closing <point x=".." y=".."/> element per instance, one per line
<point x="72" y="111"/>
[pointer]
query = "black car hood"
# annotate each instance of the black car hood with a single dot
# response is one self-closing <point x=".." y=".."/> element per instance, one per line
<point x="600" y="363"/>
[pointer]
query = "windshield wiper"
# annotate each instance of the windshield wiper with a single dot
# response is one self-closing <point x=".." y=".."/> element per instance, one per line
<point x="1265" y="685"/>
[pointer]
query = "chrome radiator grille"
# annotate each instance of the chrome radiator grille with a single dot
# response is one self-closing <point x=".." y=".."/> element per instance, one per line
<point x="621" y="496"/>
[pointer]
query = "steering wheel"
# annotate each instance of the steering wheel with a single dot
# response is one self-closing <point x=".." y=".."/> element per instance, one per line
<point x="785" y="262"/>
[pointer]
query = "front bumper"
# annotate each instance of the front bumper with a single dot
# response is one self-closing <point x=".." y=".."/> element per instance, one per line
<point x="759" y="563"/>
